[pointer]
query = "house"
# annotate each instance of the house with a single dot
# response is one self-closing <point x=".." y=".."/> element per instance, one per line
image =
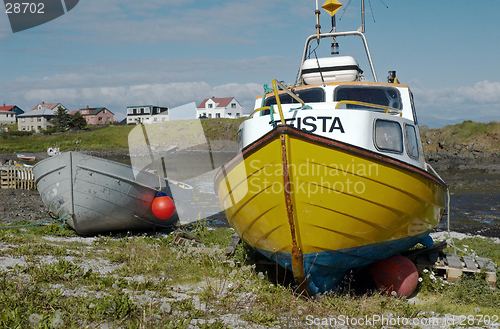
<point x="147" y="114"/>
<point x="11" y="108"/>
<point x="8" y="114"/>
<point x="7" y="118"/>
<point x="38" y="118"/>
<point x="35" y="120"/>
<point x="96" y="115"/>
<point x="226" y="107"/>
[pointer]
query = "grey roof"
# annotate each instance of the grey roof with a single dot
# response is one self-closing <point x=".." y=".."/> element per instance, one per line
<point x="38" y="113"/>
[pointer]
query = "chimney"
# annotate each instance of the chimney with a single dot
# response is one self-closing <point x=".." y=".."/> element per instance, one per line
<point x="87" y="107"/>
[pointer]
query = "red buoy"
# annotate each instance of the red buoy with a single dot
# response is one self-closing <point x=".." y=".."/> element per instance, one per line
<point x="396" y="275"/>
<point x="163" y="207"/>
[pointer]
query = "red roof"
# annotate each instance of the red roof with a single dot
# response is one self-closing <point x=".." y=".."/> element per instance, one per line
<point x="221" y="102"/>
<point x="6" y="107"/>
<point x="49" y="106"/>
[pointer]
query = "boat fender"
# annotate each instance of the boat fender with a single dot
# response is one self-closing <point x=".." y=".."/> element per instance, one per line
<point x="163" y="206"/>
<point x="397" y="276"/>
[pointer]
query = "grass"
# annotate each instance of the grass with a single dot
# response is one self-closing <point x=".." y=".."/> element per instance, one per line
<point x="467" y="135"/>
<point x="116" y="137"/>
<point x="140" y="281"/>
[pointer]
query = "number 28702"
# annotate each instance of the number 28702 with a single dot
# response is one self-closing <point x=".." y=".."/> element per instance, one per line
<point x="24" y="8"/>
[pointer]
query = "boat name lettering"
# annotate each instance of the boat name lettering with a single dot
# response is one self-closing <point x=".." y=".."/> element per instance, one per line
<point x="311" y="124"/>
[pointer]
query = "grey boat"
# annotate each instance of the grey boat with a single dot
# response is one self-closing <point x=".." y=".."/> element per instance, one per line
<point x="102" y="196"/>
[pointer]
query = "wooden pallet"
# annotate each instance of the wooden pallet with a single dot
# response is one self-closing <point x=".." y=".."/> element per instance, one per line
<point x="16" y="177"/>
<point x="451" y="267"/>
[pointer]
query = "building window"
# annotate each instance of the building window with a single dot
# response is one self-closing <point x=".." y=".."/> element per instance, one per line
<point x="100" y="118"/>
<point x="210" y="115"/>
<point x="31" y="119"/>
<point x="39" y="119"/>
<point x="104" y="111"/>
<point x="229" y="114"/>
<point x="233" y="105"/>
<point x="108" y="119"/>
<point x="210" y="106"/>
<point x="217" y="115"/>
<point x="237" y="115"/>
<point x="23" y="128"/>
<point x="39" y="127"/>
<point x="23" y="119"/>
<point x="85" y="112"/>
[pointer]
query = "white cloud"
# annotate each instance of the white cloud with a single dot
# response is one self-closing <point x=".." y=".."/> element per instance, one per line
<point x="481" y="100"/>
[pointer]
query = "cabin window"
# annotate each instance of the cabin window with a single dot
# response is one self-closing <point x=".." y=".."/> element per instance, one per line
<point x="411" y="141"/>
<point x="384" y="96"/>
<point x="311" y="95"/>
<point x="415" y="120"/>
<point x="388" y="136"/>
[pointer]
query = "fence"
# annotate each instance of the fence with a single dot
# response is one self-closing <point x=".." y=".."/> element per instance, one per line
<point x="16" y="177"/>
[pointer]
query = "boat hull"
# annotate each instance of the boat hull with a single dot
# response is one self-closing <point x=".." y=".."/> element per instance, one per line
<point x="320" y="207"/>
<point x="100" y="195"/>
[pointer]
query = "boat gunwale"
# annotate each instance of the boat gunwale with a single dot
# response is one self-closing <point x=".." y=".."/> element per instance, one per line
<point x="285" y="129"/>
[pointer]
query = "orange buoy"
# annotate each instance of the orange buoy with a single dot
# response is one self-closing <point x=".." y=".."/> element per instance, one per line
<point x="163" y="206"/>
<point x="396" y="275"/>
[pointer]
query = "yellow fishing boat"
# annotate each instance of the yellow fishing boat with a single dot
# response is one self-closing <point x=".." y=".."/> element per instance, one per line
<point x="331" y="175"/>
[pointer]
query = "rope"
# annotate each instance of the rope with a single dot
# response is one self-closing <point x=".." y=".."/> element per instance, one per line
<point x="60" y="219"/>
<point x="272" y="116"/>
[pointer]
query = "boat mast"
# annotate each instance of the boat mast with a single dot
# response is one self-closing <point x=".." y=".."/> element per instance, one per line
<point x="362" y="28"/>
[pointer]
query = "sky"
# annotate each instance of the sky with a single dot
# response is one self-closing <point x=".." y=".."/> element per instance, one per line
<point x="119" y="53"/>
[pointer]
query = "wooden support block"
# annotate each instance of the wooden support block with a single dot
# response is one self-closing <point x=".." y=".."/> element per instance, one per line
<point x="453" y="274"/>
<point x="491" y="278"/>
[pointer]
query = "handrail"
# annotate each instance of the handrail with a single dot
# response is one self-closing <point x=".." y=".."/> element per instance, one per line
<point x="278" y="101"/>
<point x="383" y="107"/>
<point x="259" y="109"/>
<point x="289" y="92"/>
<point x="338" y="34"/>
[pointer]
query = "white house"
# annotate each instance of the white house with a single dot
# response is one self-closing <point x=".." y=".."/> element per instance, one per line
<point x="147" y="114"/>
<point x="7" y="117"/>
<point x="226" y="107"/>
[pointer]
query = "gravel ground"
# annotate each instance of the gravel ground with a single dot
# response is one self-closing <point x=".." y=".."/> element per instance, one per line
<point x="18" y="205"/>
